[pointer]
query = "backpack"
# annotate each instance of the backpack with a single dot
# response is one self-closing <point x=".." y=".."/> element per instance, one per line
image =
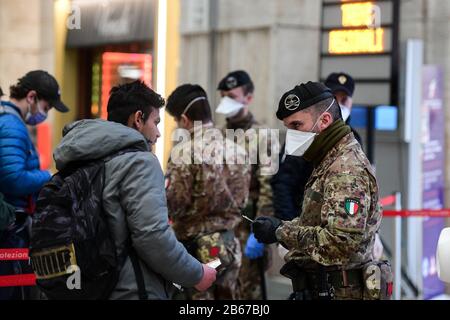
<point x="72" y="252"/>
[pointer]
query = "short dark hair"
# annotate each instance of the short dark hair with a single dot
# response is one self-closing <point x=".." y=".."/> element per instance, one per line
<point x="317" y="109"/>
<point x="127" y="99"/>
<point x="18" y="91"/>
<point x="185" y="94"/>
<point x="248" y="88"/>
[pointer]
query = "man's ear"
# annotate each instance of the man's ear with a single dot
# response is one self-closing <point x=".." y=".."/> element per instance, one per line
<point x="135" y="120"/>
<point x="31" y="96"/>
<point x="249" y="98"/>
<point x="327" y="120"/>
<point x="138" y="119"/>
<point x="185" y="121"/>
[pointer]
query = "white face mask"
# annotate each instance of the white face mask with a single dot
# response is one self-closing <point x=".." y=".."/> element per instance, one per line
<point x="297" y="142"/>
<point x="345" y="112"/>
<point x="229" y="107"/>
<point x="443" y="256"/>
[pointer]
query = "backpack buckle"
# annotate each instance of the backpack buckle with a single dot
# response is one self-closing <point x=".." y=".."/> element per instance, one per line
<point x="54" y="262"/>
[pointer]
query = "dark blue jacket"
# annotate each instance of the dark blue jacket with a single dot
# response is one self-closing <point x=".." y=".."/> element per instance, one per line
<point x="288" y="186"/>
<point x="20" y="176"/>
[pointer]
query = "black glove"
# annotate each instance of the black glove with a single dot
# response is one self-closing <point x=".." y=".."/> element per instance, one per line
<point x="264" y="229"/>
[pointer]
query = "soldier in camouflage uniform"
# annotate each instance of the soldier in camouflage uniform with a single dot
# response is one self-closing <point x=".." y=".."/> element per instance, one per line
<point x="237" y="91"/>
<point x="334" y="235"/>
<point x="206" y="191"/>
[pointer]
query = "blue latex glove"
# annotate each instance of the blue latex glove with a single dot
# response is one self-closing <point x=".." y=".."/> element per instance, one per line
<point x="253" y="248"/>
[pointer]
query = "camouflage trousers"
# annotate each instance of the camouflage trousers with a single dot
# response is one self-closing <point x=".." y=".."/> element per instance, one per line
<point x="250" y="273"/>
<point x="226" y="286"/>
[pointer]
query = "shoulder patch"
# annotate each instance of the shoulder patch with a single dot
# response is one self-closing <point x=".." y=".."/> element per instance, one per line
<point x="352" y="206"/>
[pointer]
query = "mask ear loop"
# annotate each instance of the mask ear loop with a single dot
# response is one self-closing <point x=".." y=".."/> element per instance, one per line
<point x="192" y="103"/>
<point x="329" y="107"/>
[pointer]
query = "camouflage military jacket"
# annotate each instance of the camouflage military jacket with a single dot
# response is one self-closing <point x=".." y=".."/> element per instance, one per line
<point x="340" y="213"/>
<point x="205" y="197"/>
<point x="261" y="203"/>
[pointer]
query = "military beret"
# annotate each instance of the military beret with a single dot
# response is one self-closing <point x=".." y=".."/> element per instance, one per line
<point x="302" y="97"/>
<point x="341" y="82"/>
<point x="233" y="80"/>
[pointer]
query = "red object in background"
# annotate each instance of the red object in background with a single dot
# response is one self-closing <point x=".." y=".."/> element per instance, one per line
<point x="444" y="213"/>
<point x="44" y="145"/>
<point x="111" y="61"/>
<point x="388" y="201"/>
<point x="14" y="254"/>
<point x="21" y="280"/>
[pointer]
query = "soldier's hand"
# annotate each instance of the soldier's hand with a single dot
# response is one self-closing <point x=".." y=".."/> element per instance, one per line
<point x="264" y="229"/>
<point x="208" y="278"/>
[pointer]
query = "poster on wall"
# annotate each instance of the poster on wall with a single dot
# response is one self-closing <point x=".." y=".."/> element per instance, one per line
<point x="433" y="170"/>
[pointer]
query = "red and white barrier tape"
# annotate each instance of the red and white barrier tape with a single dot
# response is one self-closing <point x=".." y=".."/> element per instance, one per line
<point x="14" y="254"/>
<point x="20" y="280"/>
<point x="444" y="213"/>
<point x="388" y="201"/>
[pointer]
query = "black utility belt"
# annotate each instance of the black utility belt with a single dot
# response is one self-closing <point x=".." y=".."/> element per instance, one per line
<point x="337" y="279"/>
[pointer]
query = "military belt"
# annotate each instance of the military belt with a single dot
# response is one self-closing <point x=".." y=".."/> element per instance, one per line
<point x="346" y="278"/>
<point x="310" y="281"/>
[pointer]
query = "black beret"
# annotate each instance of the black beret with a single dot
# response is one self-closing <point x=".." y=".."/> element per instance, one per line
<point x="341" y="82"/>
<point x="233" y="80"/>
<point x="302" y="97"/>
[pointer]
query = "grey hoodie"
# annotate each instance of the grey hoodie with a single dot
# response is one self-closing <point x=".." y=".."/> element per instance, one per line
<point x="135" y="203"/>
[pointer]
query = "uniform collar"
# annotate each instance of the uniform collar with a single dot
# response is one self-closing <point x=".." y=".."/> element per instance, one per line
<point x="199" y="129"/>
<point x="346" y="142"/>
<point x="245" y="122"/>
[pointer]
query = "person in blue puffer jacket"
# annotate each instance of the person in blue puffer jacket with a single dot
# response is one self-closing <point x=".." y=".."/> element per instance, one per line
<point x="20" y="175"/>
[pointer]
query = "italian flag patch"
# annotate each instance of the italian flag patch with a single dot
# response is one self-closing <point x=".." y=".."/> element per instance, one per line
<point x="352" y="206"/>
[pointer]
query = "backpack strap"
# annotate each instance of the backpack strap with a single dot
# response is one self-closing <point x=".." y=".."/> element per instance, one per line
<point x="138" y="273"/>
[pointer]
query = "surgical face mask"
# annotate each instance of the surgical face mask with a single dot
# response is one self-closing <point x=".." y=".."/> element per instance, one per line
<point x="345" y="112"/>
<point x="37" y="118"/>
<point x="297" y="142"/>
<point x="229" y="107"/>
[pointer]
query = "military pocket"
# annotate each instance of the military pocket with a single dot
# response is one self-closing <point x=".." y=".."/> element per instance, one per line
<point x="349" y="293"/>
<point x="211" y="247"/>
<point x="378" y="280"/>
<point x="312" y="207"/>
